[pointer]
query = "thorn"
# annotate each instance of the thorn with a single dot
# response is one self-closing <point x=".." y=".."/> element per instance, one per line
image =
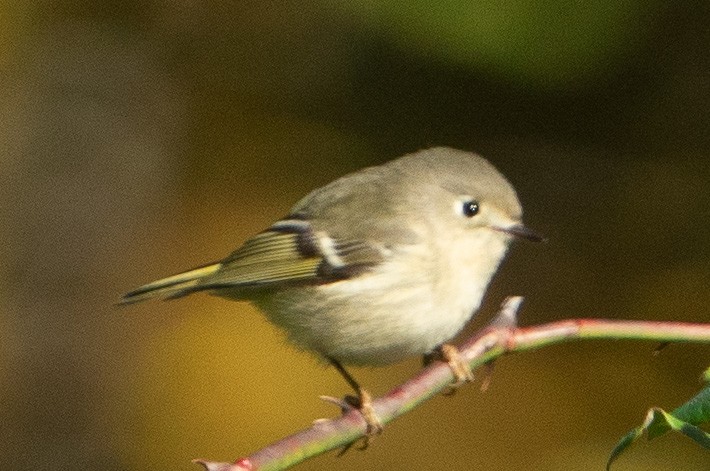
<point x="240" y="465"/>
<point x="661" y="346"/>
<point x="487" y="376"/>
<point x="345" y="449"/>
<point x="508" y="313"/>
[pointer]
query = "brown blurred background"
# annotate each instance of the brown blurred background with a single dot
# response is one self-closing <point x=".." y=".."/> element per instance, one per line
<point x="138" y="139"/>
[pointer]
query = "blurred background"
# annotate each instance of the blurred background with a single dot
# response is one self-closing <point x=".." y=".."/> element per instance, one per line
<point x="138" y="139"/>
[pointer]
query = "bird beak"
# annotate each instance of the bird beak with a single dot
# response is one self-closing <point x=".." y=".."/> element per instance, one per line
<point x="522" y="232"/>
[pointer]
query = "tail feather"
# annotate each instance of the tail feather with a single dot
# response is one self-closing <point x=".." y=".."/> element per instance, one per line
<point x="170" y="287"/>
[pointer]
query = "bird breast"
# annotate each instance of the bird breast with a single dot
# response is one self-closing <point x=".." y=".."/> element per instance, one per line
<point x="408" y="305"/>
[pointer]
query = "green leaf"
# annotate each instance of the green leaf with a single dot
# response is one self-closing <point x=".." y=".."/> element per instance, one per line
<point x="684" y="419"/>
<point x="696" y="411"/>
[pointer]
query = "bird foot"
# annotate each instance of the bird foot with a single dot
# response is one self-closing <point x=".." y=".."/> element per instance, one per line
<point x="452" y="357"/>
<point x="363" y="404"/>
<point x="462" y="372"/>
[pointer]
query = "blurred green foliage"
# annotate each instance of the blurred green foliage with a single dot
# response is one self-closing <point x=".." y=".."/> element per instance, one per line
<point x="549" y="43"/>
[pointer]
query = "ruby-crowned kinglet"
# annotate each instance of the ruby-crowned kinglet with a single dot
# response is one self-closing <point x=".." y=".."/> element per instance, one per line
<point x="379" y="265"/>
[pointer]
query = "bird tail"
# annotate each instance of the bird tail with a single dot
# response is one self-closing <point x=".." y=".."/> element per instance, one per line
<point x="170" y="287"/>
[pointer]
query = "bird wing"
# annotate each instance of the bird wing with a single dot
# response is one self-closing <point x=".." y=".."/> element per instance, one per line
<point x="291" y="251"/>
<point x="320" y="242"/>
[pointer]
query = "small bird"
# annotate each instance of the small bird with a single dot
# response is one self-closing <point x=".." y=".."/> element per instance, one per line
<point x="377" y="266"/>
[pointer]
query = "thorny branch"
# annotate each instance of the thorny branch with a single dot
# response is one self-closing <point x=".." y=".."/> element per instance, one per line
<point x="500" y="337"/>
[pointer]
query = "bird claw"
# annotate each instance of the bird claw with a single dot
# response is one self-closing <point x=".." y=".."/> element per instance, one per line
<point x="461" y="370"/>
<point x="363" y="404"/>
<point x="342" y="404"/>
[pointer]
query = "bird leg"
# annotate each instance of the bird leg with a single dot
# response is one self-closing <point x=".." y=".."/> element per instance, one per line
<point x="363" y="403"/>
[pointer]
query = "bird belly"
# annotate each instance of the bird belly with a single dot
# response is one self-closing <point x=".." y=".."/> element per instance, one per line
<point x="374" y="319"/>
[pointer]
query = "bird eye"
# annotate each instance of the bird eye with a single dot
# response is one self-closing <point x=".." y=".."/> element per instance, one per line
<point x="470" y="208"/>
